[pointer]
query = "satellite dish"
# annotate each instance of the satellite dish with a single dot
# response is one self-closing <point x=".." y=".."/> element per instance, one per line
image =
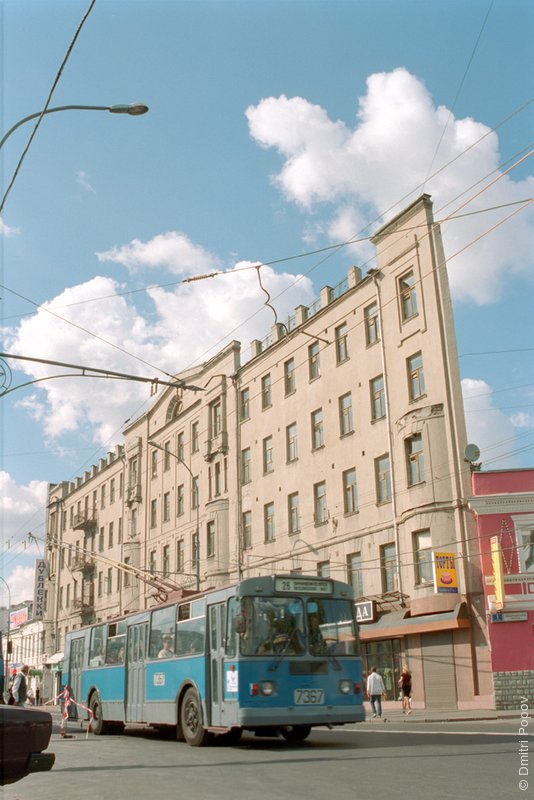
<point x="471" y="453"/>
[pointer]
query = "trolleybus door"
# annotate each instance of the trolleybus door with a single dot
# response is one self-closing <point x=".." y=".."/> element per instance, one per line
<point x="217" y="622"/>
<point x="75" y="668"/>
<point x="135" y="672"/>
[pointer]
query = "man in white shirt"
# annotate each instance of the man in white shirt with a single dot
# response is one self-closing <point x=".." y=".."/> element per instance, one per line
<point x="375" y="690"/>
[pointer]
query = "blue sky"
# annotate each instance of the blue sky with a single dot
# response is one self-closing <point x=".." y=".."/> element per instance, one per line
<point x="275" y="128"/>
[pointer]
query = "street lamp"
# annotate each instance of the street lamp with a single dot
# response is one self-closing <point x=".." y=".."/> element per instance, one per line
<point x="6" y="665"/>
<point x="133" y="109"/>
<point x="197" y="534"/>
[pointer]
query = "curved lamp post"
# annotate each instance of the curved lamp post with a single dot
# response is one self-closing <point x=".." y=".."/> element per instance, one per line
<point x="133" y="109"/>
<point x="197" y="554"/>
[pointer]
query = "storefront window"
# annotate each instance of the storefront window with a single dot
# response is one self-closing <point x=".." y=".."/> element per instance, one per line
<point x="385" y="655"/>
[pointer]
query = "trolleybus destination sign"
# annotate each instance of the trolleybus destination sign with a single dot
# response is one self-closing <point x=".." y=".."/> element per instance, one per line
<point x="303" y="585"/>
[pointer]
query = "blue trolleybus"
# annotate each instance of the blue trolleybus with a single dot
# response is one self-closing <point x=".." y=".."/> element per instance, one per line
<point x="273" y="655"/>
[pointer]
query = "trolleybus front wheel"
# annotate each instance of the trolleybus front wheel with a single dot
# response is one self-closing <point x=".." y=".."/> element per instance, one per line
<point x="295" y="733"/>
<point x="98" y="724"/>
<point x="191" y="719"/>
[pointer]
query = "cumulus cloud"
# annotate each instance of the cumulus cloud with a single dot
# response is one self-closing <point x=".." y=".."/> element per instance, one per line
<point x="487" y="426"/>
<point x="21" y="583"/>
<point x="375" y="168"/>
<point x="172" y="251"/>
<point x="185" y="326"/>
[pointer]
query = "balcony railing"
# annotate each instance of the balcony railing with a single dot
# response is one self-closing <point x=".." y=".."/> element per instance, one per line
<point x="85" y="521"/>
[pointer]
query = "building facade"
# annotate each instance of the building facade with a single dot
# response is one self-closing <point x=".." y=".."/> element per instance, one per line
<point x="503" y="501"/>
<point x="336" y="448"/>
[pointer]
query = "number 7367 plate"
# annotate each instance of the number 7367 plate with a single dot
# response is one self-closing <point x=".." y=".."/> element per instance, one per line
<point x="308" y="697"/>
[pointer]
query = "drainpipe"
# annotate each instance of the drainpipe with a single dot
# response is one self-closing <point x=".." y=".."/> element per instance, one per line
<point x="375" y="274"/>
<point x="239" y="500"/>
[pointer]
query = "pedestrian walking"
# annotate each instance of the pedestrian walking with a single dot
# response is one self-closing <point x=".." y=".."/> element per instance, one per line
<point x="375" y="691"/>
<point x="20" y="686"/>
<point x="405" y="686"/>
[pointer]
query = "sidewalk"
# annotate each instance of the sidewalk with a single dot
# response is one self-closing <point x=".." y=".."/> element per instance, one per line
<point x="441" y="715"/>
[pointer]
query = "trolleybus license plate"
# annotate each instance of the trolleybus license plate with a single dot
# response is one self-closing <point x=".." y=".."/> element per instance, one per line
<point x="308" y="697"/>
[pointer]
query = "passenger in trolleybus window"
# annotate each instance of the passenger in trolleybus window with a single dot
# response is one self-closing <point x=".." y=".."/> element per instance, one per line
<point x="166" y="651"/>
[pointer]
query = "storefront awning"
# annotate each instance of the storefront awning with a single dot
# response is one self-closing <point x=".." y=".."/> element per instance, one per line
<point x="397" y="623"/>
<point x="55" y="659"/>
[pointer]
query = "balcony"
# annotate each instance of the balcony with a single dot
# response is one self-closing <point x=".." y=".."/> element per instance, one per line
<point x="85" y="521"/>
<point x="85" y="607"/>
<point x="217" y="444"/>
<point x="133" y="494"/>
<point x="83" y="564"/>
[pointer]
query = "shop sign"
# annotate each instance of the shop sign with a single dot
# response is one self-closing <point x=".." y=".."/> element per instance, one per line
<point x="365" y="611"/>
<point x="510" y="616"/>
<point x="445" y="577"/>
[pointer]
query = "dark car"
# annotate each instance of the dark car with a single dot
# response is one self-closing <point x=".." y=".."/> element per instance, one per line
<point x="24" y="734"/>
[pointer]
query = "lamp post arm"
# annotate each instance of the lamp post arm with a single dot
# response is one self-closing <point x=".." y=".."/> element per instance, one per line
<point x="132" y="109"/>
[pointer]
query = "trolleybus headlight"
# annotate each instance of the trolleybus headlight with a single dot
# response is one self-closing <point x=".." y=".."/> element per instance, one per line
<point x="345" y="687"/>
<point x="268" y="688"/>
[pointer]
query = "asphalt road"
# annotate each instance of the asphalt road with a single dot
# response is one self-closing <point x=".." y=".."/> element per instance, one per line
<point x="413" y="761"/>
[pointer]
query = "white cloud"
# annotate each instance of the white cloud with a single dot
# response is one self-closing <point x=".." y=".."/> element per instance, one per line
<point x="83" y="179"/>
<point x="5" y="230"/>
<point x="172" y="251"/>
<point x="186" y="326"/>
<point x="488" y="427"/>
<point x="380" y="165"/>
<point x="21" y="584"/>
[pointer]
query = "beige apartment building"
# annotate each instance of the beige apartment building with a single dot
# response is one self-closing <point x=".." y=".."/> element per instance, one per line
<point x="337" y="449"/>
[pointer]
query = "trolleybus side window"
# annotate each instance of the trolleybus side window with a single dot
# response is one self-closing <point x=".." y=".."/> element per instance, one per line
<point x="234" y="624"/>
<point x="191" y="628"/>
<point x="331" y="627"/>
<point x="76" y="653"/>
<point x="163" y="633"/>
<point x="116" y="642"/>
<point x="97" y="648"/>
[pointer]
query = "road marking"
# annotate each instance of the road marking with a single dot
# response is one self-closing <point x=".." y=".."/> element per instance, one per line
<point x="426" y="732"/>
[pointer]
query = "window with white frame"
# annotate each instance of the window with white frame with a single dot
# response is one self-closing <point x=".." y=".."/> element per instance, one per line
<point x="372" y="326"/>
<point x="268" y="522"/>
<point x="293" y="520"/>
<point x="378" y="398"/>
<point x="422" y="552"/>
<point x="416" y="377"/>
<point x="266" y="391"/>
<point x="383" y="479"/>
<point x="268" y="464"/>
<point x="319" y="503"/>
<point x="246" y="462"/>
<point x="342" y="343"/>
<point x="350" y="491"/>
<point x="317" y="430"/>
<point x="415" y="462"/>
<point x="346" y="424"/>
<point x="314" y="363"/>
<point x="289" y="376"/>
<point x="292" y="442"/>
<point x="407" y="296"/>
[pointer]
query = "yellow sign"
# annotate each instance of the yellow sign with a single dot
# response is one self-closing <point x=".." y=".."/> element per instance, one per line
<point x="445" y="577"/>
<point x="496" y="559"/>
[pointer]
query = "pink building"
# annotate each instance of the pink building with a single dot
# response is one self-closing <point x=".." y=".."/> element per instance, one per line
<point x="503" y="502"/>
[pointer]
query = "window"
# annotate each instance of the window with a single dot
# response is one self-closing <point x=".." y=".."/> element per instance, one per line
<point x="195" y="498"/>
<point x="378" y="398"/>
<point x="180" y="449"/>
<point x="266" y="395"/>
<point x="103" y="496"/>
<point x="289" y="376"/>
<point x="194" y="438"/>
<point x="383" y="479"/>
<point x="372" y="325"/>
<point x="407" y="296"/>
<point x="346" y="424"/>
<point x="112" y="490"/>
<point x="154" y="463"/>
<point x="110" y="535"/>
<point x="180" y="556"/>
<point x="166" y="507"/>
<point x="244" y="406"/>
<point x="133" y="523"/>
<point x="162" y="634"/>
<point x="342" y="343"/>
<point x="101" y="540"/>
<point x="216" y="419"/>
<point x="268" y="465"/>
<point x="388" y="567"/>
<point x="314" y="364"/>
<point x="217" y="478"/>
<point x="247" y="529"/>
<point x="415" y="459"/>
<point x="210" y="539"/>
<point x="246" y="465"/>
<point x="319" y="503"/>
<point x="121" y="484"/>
<point x="422" y="549"/>
<point x="100" y="584"/>
<point x="180" y="500"/>
<point x="317" y="429"/>
<point x="268" y="522"/>
<point x="153" y="513"/>
<point x="293" y="521"/>
<point x="119" y="537"/>
<point x="350" y="493"/>
<point x="292" y="452"/>
<point x="166" y="560"/>
<point x="167" y="456"/>
<point x="323" y="569"/>
<point x="355" y="573"/>
<point x="416" y="377"/>
<point x="195" y="555"/>
<point x="127" y="574"/>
